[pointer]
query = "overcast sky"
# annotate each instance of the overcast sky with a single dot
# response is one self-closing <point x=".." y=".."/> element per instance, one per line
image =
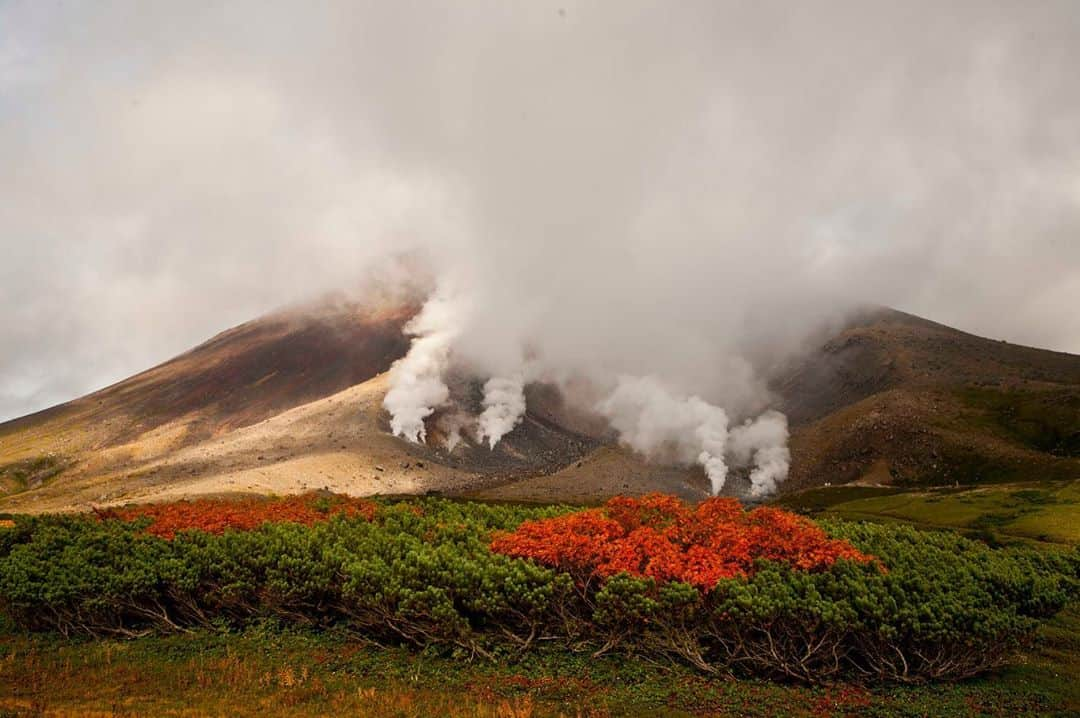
<point x="168" y="170"/>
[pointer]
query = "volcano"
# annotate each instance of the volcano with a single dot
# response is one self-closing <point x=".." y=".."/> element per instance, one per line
<point x="292" y="402"/>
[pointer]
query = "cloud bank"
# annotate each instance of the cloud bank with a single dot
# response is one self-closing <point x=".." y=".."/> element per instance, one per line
<point x="621" y="189"/>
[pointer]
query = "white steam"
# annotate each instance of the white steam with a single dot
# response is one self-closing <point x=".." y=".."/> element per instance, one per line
<point x="418" y="387"/>
<point x="656" y="422"/>
<point x="416" y="380"/>
<point x="662" y="426"/>
<point x="504" y="407"/>
<point x="649" y="417"/>
<point x="764" y="442"/>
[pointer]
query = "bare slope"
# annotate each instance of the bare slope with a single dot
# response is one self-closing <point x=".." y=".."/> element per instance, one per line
<point x="284" y="403"/>
<point x="238" y="378"/>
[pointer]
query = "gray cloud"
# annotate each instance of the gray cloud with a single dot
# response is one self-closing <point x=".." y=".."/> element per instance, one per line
<point x="680" y="189"/>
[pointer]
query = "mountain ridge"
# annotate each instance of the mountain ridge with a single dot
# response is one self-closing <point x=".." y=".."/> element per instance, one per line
<point x="292" y="401"/>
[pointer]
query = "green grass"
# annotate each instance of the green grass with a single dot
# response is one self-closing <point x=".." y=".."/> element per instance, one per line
<point x="813" y="501"/>
<point x="21" y="475"/>
<point x="268" y="670"/>
<point x="1043" y="511"/>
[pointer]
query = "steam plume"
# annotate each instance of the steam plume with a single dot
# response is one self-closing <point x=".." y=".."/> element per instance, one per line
<point x="764" y="442"/>
<point x="659" y="425"/>
<point x="416" y="380"/>
<point x="504" y="407"/>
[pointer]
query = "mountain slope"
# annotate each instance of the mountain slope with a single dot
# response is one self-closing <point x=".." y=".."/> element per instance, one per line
<point x="893" y="398"/>
<point x="292" y="401"/>
<point x="283" y="403"/>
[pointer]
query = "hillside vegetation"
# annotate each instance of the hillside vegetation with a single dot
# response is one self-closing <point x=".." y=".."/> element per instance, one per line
<point x="1039" y="511"/>
<point x="763" y="593"/>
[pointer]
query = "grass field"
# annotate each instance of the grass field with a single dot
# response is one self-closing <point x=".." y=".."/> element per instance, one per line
<point x="1043" y="511"/>
<point x="268" y="671"/>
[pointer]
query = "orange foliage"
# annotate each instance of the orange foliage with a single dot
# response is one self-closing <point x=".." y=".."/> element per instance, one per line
<point x="661" y="537"/>
<point x="217" y="516"/>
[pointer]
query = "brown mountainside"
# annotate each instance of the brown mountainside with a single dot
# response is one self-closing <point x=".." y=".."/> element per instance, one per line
<point x="292" y="401"/>
<point x="896" y="398"/>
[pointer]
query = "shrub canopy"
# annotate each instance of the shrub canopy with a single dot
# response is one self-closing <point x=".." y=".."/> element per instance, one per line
<point x="790" y="599"/>
<point x="662" y="538"/>
<point x="217" y="516"/>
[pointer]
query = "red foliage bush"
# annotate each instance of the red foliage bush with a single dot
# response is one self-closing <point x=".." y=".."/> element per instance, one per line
<point x="661" y="537"/>
<point x="216" y="516"/>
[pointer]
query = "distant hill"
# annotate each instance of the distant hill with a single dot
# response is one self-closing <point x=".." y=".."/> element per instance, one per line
<point x="292" y="401"/>
<point x="894" y="398"/>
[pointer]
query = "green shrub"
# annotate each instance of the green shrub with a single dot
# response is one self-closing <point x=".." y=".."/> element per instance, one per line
<point x="422" y="574"/>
